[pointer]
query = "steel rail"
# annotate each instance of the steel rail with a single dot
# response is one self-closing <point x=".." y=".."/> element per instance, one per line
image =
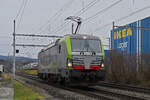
<point x="125" y="87"/>
<point x="121" y="96"/>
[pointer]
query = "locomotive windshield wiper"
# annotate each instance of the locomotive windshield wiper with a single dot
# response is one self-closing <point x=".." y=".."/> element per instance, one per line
<point x="81" y="52"/>
<point x="93" y="52"/>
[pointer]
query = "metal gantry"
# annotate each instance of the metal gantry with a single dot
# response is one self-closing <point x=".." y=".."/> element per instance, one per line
<point x="38" y="35"/>
<point x="30" y="45"/>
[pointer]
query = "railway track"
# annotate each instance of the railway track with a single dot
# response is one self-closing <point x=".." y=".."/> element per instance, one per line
<point x="119" y="95"/>
<point x="80" y="91"/>
<point x="95" y="93"/>
<point x="125" y="87"/>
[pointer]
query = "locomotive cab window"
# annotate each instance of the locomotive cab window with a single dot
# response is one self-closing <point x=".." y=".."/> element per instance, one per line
<point x="86" y="45"/>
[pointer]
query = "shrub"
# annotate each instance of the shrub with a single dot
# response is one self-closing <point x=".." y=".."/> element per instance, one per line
<point x="121" y="68"/>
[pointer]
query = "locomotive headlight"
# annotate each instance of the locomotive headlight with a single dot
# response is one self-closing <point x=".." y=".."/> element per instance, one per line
<point x="69" y="63"/>
<point x="84" y="37"/>
<point x="102" y="65"/>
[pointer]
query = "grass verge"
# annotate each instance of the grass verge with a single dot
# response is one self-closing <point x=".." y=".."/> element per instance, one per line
<point x="22" y="92"/>
<point x="6" y="76"/>
<point x="31" y="72"/>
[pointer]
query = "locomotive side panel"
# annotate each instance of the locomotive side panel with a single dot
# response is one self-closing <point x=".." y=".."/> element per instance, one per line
<point x="53" y="66"/>
<point x="48" y="60"/>
<point x="63" y="57"/>
<point x="54" y="59"/>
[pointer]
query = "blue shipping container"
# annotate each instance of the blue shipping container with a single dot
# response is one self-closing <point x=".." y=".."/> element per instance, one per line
<point x="133" y="38"/>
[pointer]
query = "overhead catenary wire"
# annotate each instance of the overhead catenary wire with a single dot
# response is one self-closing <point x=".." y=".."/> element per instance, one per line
<point x="101" y="11"/>
<point x="19" y="11"/>
<point x="133" y="1"/>
<point x="78" y="13"/>
<point x="123" y="18"/>
<point x="50" y="20"/>
<point x="88" y="6"/>
<point x="131" y="14"/>
<point x="22" y="13"/>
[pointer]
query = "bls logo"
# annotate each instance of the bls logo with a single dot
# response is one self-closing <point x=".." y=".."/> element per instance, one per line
<point x="122" y="33"/>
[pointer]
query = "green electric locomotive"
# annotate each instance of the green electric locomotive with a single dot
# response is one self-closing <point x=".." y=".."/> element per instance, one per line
<point x="73" y="59"/>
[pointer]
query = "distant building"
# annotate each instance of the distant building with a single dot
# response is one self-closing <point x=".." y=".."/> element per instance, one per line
<point x="1" y="69"/>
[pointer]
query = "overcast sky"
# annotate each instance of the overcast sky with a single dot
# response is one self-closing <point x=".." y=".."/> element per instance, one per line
<point x="47" y="17"/>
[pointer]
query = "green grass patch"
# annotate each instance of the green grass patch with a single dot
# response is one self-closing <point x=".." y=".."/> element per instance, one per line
<point x="22" y="92"/>
<point x="31" y="72"/>
<point x="6" y="76"/>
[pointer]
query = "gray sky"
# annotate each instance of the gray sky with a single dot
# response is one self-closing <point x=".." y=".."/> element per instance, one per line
<point x="39" y="17"/>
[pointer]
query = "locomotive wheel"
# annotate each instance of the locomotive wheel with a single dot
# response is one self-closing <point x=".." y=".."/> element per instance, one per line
<point x="67" y="80"/>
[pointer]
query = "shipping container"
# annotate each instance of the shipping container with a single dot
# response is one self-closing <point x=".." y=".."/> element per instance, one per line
<point x="133" y="38"/>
